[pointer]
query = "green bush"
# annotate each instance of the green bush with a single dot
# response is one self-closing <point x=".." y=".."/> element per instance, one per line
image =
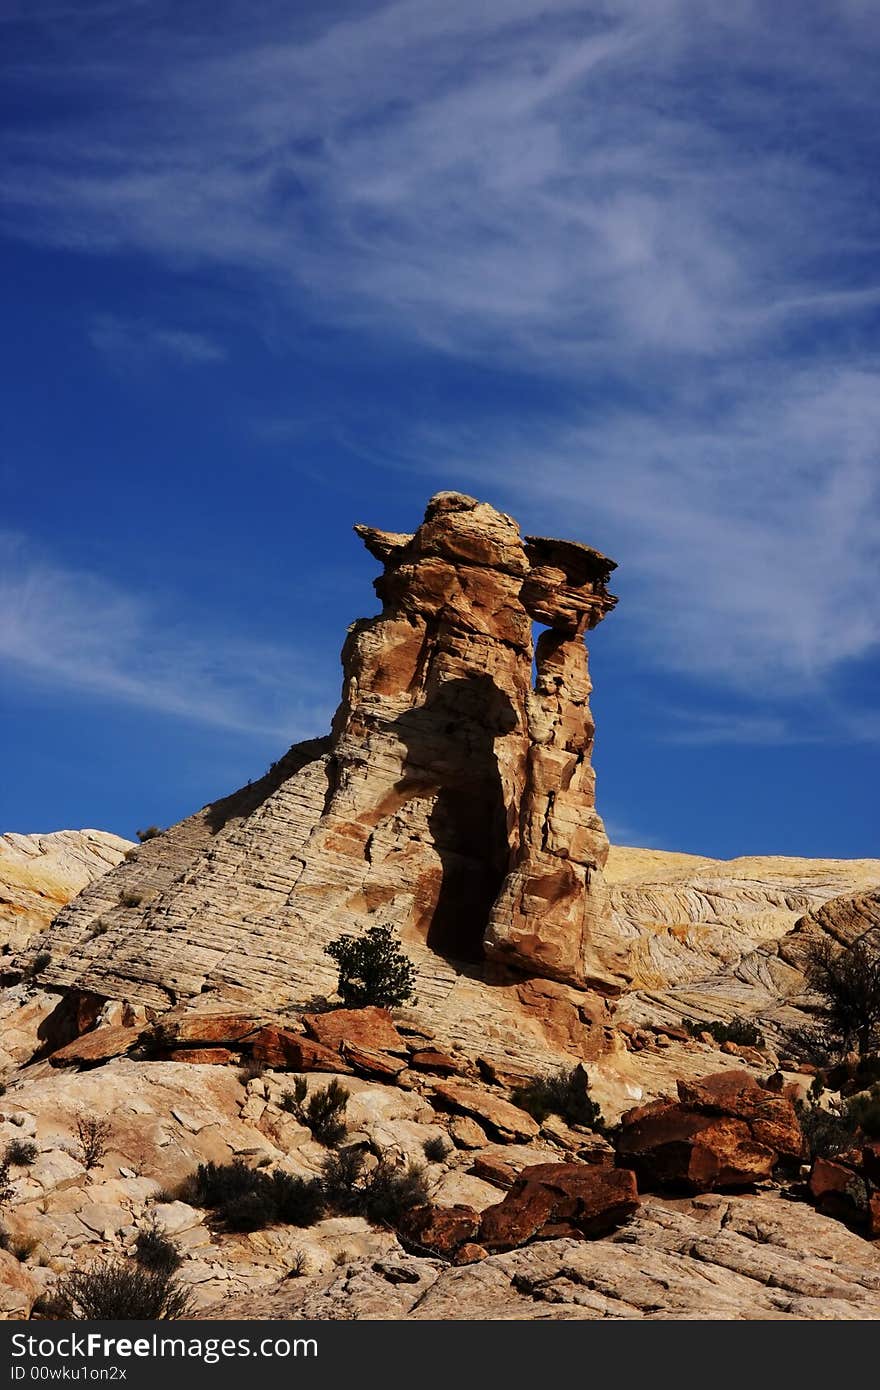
<point x="155" y="1250"/>
<point x="826" y="1132"/>
<point x="249" y="1199"/>
<point x="436" y="1148"/>
<point x="740" y="1031"/>
<point x="120" y="1291"/>
<point x="323" y="1111"/>
<point x="565" y="1093"/>
<point x="21" y="1153"/>
<point x="373" y="969"/>
<point x="381" y="1194"/>
<point x="863" y="1112"/>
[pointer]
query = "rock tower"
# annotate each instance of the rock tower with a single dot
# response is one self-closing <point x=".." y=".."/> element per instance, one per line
<point x="453" y="800"/>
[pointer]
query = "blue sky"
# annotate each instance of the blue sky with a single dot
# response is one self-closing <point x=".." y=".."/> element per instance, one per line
<point x="272" y="269"/>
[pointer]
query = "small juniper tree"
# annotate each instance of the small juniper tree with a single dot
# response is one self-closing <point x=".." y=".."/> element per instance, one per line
<point x="373" y="969"/>
<point x="848" y="983"/>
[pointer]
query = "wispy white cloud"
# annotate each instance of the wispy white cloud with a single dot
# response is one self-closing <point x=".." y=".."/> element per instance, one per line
<point x="747" y="530"/>
<point x="132" y="345"/>
<point x="76" y="632"/>
<point x="666" y="205"/>
<point x="545" y="182"/>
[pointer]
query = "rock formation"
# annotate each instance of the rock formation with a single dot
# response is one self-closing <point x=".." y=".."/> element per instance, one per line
<point x="453" y="800"/>
<point x="39" y="874"/>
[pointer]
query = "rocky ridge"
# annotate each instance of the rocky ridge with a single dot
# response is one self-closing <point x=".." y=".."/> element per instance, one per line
<point x="186" y="992"/>
<point x="39" y="874"/>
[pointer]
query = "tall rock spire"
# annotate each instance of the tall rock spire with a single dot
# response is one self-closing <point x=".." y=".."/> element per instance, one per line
<point x="453" y="800"/>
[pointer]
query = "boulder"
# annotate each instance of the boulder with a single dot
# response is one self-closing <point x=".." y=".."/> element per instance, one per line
<point x="371" y="1028"/>
<point x="204" y="1030"/>
<point x="441" y="1230"/>
<point x="372" y="1063"/>
<point x="507" y="1121"/>
<point x="725" y="1131"/>
<point x="469" y="1254"/>
<point x="494" y="1170"/>
<point x="771" y="1118"/>
<point x="560" y="1199"/>
<point x="465" y="1133"/>
<point x="443" y="1063"/>
<point x="202" y="1056"/>
<point x="289" y="1051"/>
<point x="839" y="1190"/>
<point x="95" y="1047"/>
<point x="669" y="1145"/>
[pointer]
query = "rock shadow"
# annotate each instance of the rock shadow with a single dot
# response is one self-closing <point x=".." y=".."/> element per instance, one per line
<point x="450" y="743"/>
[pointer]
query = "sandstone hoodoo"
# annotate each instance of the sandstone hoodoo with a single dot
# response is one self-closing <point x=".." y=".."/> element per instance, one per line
<point x="453" y="801"/>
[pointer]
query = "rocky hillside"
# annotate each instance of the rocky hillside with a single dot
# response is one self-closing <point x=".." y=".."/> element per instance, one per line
<point x="39" y="874"/>
<point x="559" y="1124"/>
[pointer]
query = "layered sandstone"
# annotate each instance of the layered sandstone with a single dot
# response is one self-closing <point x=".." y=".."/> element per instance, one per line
<point x="453" y="800"/>
<point x="39" y="874"/>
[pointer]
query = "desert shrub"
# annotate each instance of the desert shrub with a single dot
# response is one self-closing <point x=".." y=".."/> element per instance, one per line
<point x="114" y="1290"/>
<point x="811" y="1042"/>
<point x="740" y="1031"/>
<point x="323" y="1111"/>
<point x="251" y="1211"/>
<point x="436" y="1148"/>
<point x="155" y="1250"/>
<point x="390" y="1192"/>
<point x="299" y="1265"/>
<point x="214" y="1184"/>
<point x="5" y="1181"/>
<point x="21" y="1153"/>
<point x="863" y="1112"/>
<point x="251" y="1070"/>
<point x="249" y="1199"/>
<point x="23" y="1247"/>
<point x="150" y="833"/>
<point x="128" y="897"/>
<point x="341" y="1177"/>
<point x="341" y="1258"/>
<point x="99" y="928"/>
<point x="298" y="1201"/>
<point x="36" y="965"/>
<point x="292" y="1100"/>
<point x="826" y="1132"/>
<point x="847" y="980"/>
<point x="92" y="1135"/>
<point x="373" y="969"/>
<point x="381" y="1194"/>
<point x="2" y="1088"/>
<point x="565" y="1093"/>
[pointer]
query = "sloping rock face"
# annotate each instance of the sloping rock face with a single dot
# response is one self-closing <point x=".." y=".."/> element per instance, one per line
<point x="682" y="917"/>
<point x="452" y="801"/>
<point x="39" y="874"/>
<point x="733" y="1258"/>
<point x="721" y="939"/>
